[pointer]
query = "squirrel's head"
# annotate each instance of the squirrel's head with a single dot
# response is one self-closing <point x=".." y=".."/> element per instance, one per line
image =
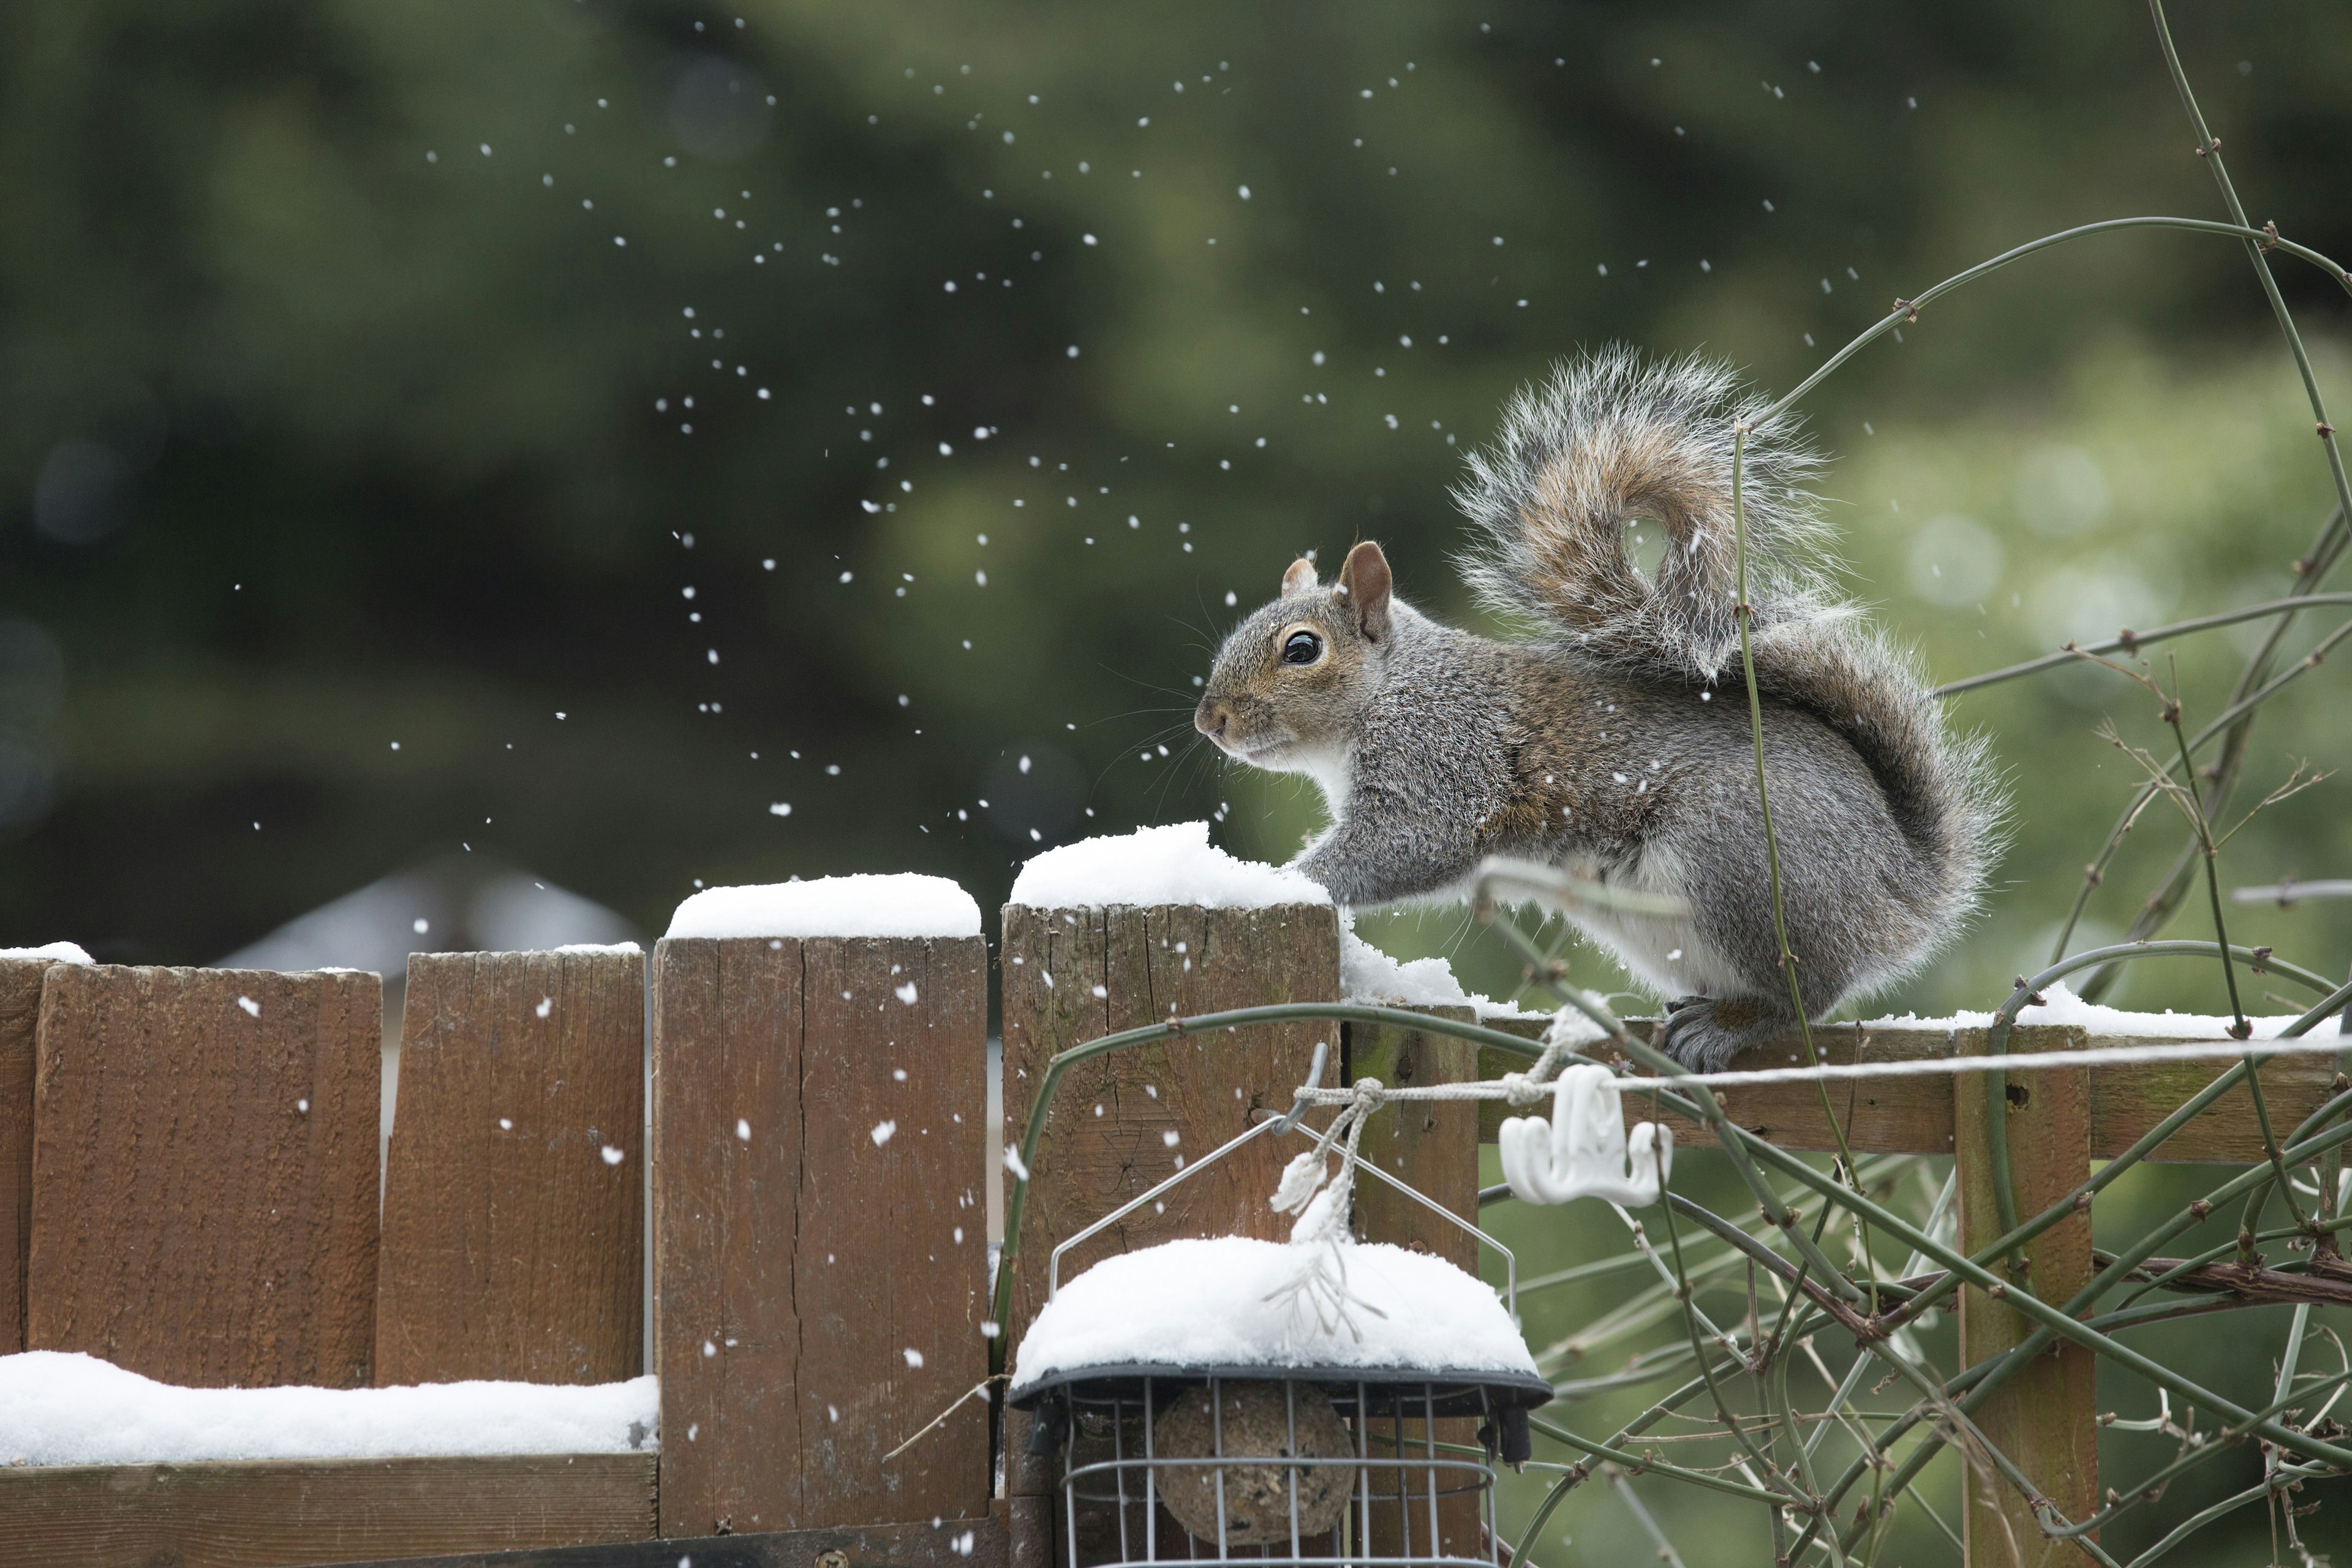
<point x="1291" y="680"/>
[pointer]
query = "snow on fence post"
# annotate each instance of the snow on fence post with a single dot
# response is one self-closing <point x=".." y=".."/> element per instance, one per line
<point x="204" y="1173"/>
<point x="2046" y="1418"/>
<point x="513" y="1217"/>
<point x="820" y="1231"/>
<point x="20" y="1007"/>
<point x="1112" y="934"/>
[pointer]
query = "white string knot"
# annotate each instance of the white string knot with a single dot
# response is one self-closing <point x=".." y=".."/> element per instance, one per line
<point x="1303" y="1176"/>
<point x="1522" y="1090"/>
<point x="1525" y="1089"/>
<point x="1584" y="1152"/>
<point x="1321" y="1233"/>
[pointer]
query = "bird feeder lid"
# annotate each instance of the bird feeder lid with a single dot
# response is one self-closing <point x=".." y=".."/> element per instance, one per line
<point x="1226" y="1308"/>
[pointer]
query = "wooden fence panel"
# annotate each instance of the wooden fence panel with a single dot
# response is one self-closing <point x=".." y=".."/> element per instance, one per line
<point x="1128" y="1120"/>
<point x="820" y="1234"/>
<point x="20" y="1010"/>
<point x="513" y="1204"/>
<point x="204" y="1173"/>
<point x="254" y="1513"/>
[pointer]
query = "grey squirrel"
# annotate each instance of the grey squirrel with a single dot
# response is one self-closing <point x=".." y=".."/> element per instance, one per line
<point x="1618" y="737"/>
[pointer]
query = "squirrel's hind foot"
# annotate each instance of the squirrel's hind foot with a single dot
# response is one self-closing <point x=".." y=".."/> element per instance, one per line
<point x="1704" y="1033"/>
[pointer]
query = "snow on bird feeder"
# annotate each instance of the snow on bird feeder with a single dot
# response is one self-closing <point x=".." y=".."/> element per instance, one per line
<point x="1279" y="1403"/>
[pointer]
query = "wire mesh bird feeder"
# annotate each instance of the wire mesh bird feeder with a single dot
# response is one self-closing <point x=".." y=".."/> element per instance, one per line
<point x="1315" y="1403"/>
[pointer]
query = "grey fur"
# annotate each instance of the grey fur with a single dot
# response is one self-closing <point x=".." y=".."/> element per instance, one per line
<point x="1620" y="741"/>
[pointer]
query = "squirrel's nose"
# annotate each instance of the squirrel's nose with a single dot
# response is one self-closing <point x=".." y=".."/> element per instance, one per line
<point x="1210" y="717"/>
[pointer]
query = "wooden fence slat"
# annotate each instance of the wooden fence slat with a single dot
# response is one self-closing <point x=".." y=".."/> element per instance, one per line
<point x="257" y="1512"/>
<point x="20" y="1010"/>
<point x="513" y="1242"/>
<point x="2046" y="1418"/>
<point x="816" y="1155"/>
<point x="1072" y="975"/>
<point x="893" y="1252"/>
<point x="1431" y="1146"/>
<point x="205" y="1173"/>
<point x="727" y="1050"/>
<point x="1124" y="1121"/>
<point x="1914" y="1115"/>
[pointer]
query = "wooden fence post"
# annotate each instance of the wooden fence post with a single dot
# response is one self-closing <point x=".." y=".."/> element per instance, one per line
<point x="20" y="1010"/>
<point x="204" y="1173"/>
<point x="1124" y="1123"/>
<point x="1432" y="1147"/>
<point x="820" y="1240"/>
<point x="514" y="1219"/>
<point x="2045" y="1417"/>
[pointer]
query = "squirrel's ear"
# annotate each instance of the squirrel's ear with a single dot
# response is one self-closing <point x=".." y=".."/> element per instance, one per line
<point x="1299" y="578"/>
<point x="1366" y="583"/>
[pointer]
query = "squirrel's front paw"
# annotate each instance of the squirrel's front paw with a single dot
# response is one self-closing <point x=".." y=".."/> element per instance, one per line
<point x="1704" y="1033"/>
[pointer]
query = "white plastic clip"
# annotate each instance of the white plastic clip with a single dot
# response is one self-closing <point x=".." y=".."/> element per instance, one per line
<point x="1584" y="1152"/>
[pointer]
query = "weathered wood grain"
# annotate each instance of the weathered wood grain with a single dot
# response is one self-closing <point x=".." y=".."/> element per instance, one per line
<point x="2046" y="1418"/>
<point x="1124" y="1123"/>
<point x="727" y="1050"/>
<point x="20" y="1011"/>
<point x="892" y="1263"/>
<point x="1914" y="1115"/>
<point x="985" y="1543"/>
<point x="2125" y="1102"/>
<point x="820" y="1234"/>
<point x="204" y="1173"/>
<point x="1431" y="1146"/>
<point x="513" y="1203"/>
<point x="255" y="1513"/>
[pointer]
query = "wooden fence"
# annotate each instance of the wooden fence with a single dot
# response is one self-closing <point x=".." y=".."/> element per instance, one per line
<point x="188" y="1187"/>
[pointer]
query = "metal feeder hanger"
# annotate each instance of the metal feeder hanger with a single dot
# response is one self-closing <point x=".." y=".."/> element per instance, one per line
<point x="1300" y="1466"/>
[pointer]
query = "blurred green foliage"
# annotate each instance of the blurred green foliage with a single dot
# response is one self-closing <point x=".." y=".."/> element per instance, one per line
<point x="646" y="416"/>
<point x="339" y="414"/>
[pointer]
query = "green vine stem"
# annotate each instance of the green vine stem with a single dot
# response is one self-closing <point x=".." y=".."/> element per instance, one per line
<point x="2132" y="641"/>
<point x="2096" y="871"/>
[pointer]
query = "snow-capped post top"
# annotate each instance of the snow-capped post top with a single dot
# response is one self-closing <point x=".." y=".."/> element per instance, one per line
<point x="1170" y="865"/>
<point x="906" y="905"/>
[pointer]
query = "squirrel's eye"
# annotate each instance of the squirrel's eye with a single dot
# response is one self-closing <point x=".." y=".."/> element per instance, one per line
<point x="1301" y="647"/>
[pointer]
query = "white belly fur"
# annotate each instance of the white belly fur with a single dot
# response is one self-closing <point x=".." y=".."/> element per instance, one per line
<point x="1664" y="954"/>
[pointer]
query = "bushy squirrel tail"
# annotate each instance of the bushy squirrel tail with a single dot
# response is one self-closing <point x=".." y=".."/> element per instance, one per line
<point x="1612" y="437"/>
